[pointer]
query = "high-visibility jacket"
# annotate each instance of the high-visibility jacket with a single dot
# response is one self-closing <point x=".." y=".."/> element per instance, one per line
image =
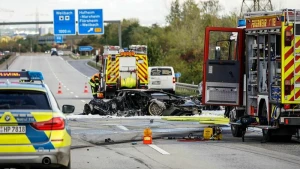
<point x="94" y="82"/>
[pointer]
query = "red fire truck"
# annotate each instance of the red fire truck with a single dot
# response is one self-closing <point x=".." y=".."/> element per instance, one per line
<point x="254" y="70"/>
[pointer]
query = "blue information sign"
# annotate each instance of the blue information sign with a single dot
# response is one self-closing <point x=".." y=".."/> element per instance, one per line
<point x="90" y="22"/>
<point x="178" y="74"/>
<point x="85" y="48"/>
<point x="64" y="22"/>
<point x="58" y="39"/>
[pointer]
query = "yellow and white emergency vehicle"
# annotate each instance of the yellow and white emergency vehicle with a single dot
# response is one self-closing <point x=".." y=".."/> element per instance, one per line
<point x="126" y="69"/>
<point x="33" y="130"/>
<point x="255" y="72"/>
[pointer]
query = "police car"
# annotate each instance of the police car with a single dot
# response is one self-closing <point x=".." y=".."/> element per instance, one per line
<point x="34" y="131"/>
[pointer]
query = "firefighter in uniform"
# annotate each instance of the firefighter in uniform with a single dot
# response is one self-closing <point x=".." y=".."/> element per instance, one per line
<point x="95" y="82"/>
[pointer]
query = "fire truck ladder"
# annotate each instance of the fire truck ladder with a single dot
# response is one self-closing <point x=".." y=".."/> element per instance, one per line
<point x="296" y="24"/>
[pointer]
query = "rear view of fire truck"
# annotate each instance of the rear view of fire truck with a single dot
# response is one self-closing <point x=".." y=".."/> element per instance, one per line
<point x="109" y="73"/>
<point x="127" y="68"/>
<point x="256" y="73"/>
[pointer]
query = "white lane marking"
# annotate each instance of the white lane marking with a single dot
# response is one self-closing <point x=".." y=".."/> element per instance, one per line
<point x="68" y="89"/>
<point x="122" y="127"/>
<point x="83" y="101"/>
<point x="61" y="58"/>
<point x="62" y="84"/>
<point x="71" y="92"/>
<point x="158" y="149"/>
<point x="65" y="86"/>
<point x="76" y="96"/>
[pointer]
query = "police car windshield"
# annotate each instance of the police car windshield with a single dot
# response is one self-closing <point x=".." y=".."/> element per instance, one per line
<point x="23" y="99"/>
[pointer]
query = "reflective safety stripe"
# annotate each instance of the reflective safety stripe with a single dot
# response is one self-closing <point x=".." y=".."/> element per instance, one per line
<point x="94" y="91"/>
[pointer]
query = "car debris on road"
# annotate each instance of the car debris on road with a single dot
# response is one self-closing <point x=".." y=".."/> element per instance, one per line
<point x="139" y="102"/>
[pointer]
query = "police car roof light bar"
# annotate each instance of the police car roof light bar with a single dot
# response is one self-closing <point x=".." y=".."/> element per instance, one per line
<point x="22" y="75"/>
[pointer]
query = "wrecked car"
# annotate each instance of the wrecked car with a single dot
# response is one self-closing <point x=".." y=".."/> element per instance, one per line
<point x="140" y="102"/>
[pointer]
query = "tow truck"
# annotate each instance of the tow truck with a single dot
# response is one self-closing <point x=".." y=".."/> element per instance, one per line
<point x="127" y="68"/>
<point x="254" y="70"/>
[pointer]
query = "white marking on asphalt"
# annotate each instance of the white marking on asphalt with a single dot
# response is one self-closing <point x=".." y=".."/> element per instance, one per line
<point x="76" y="96"/>
<point x="68" y="89"/>
<point x="71" y="92"/>
<point x="65" y="86"/>
<point x="61" y="58"/>
<point x="122" y="127"/>
<point x="159" y="149"/>
<point x="83" y="101"/>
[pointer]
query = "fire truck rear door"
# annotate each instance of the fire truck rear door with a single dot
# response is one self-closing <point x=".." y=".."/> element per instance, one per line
<point x="223" y="68"/>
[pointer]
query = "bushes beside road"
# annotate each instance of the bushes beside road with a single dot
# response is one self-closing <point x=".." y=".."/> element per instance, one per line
<point x="4" y="58"/>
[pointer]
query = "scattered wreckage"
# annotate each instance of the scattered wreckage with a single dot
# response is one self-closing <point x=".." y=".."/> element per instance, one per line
<point x="140" y="102"/>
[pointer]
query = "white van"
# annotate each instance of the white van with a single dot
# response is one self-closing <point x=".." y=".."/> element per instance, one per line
<point x="162" y="78"/>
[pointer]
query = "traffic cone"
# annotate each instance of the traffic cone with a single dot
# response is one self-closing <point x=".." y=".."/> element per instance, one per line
<point x="85" y="89"/>
<point x="59" y="89"/>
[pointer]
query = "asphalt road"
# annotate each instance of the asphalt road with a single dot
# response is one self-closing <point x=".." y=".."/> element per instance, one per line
<point x="91" y="131"/>
<point x="58" y="71"/>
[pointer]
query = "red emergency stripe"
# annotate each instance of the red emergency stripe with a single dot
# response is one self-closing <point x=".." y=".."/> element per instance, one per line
<point x="297" y="69"/>
<point x="114" y="79"/>
<point x="141" y="78"/>
<point x="142" y="71"/>
<point x="298" y="79"/>
<point x="289" y="65"/>
<point x="292" y="88"/>
<point x="143" y="66"/>
<point x="297" y="94"/>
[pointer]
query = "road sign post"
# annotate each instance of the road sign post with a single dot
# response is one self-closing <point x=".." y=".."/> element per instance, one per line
<point x="64" y="22"/>
<point x="90" y="22"/>
<point x="177" y="75"/>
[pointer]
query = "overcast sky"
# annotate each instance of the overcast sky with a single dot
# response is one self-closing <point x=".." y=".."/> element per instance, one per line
<point x="147" y="11"/>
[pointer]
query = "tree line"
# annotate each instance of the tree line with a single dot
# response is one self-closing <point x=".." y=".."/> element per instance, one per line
<point x="180" y="44"/>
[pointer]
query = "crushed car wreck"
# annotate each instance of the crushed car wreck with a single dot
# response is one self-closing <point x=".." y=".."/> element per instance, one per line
<point x="140" y="102"/>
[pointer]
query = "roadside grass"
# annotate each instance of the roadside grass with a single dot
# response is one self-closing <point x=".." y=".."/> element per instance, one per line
<point x="93" y="64"/>
<point x="185" y="93"/>
<point x="80" y="57"/>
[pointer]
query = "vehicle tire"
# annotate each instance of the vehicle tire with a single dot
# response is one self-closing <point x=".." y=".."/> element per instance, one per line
<point x="263" y="114"/>
<point x="155" y="110"/>
<point x="236" y="131"/>
<point x="86" y="109"/>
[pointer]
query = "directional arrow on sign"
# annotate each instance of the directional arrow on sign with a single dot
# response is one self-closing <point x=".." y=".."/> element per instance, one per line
<point x="85" y="48"/>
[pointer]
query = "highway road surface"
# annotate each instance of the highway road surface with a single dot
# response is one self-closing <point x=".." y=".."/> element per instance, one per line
<point x="126" y="151"/>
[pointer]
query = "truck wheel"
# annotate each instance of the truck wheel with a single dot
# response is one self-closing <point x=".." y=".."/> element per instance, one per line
<point x="236" y="131"/>
<point x="263" y="114"/>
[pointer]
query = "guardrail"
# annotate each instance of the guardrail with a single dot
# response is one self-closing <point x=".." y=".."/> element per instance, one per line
<point x="187" y="87"/>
